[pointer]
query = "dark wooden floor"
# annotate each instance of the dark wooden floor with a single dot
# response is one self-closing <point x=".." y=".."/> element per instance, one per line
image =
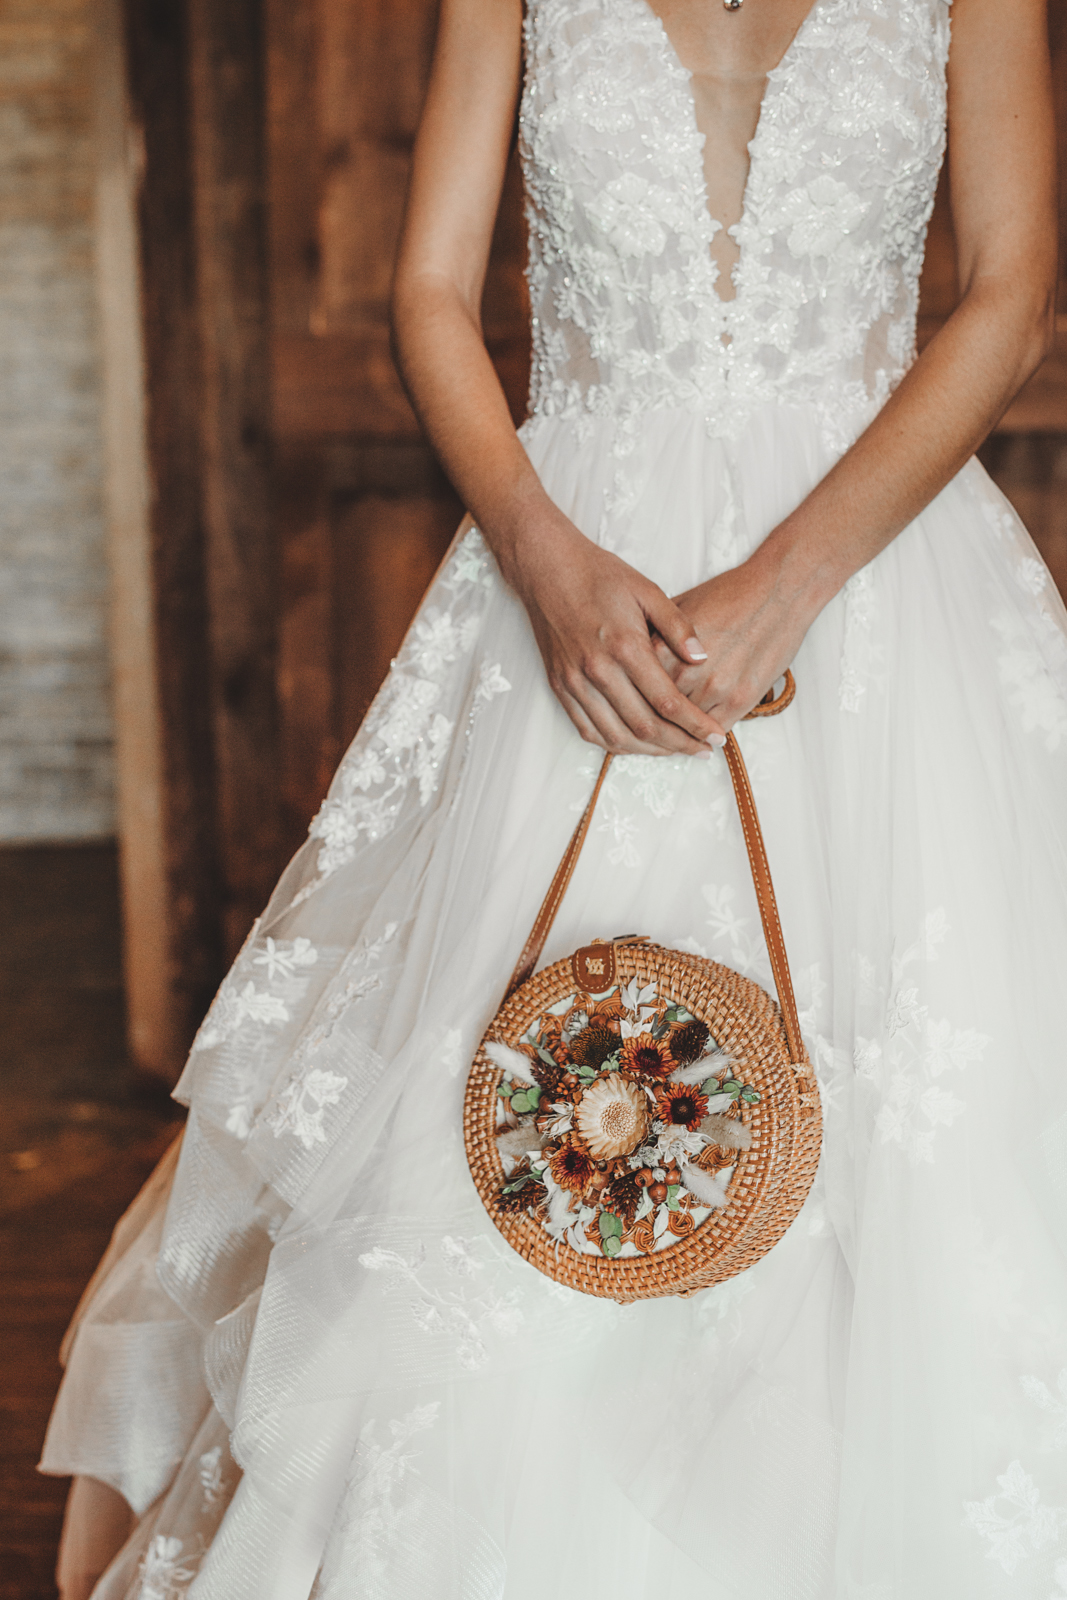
<point x="79" y="1132"/>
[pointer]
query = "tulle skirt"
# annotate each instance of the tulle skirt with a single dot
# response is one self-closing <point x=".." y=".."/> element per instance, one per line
<point x="313" y="1367"/>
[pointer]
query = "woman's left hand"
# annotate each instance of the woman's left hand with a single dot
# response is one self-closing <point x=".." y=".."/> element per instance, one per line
<point x="751" y="621"/>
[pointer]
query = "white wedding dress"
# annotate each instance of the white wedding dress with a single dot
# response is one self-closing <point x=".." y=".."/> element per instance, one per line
<point x="310" y="1363"/>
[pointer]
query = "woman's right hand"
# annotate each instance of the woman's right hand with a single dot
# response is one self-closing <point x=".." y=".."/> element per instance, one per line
<point x="594" y="617"/>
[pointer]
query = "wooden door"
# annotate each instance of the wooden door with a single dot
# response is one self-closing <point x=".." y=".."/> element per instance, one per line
<point x="365" y="513"/>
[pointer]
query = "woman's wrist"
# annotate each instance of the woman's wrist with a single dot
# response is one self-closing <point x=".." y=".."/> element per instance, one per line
<point x="529" y="537"/>
<point x="800" y="566"/>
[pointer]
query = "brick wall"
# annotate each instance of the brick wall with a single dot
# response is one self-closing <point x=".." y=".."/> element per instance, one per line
<point x="55" y="731"/>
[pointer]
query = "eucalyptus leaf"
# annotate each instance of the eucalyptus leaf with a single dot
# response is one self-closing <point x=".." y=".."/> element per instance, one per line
<point x="612" y="1245"/>
<point x="672" y="1196"/>
<point x="521" y="1103"/>
<point x="750" y="1096"/>
<point x="610" y="1225"/>
<point x="533" y="1094"/>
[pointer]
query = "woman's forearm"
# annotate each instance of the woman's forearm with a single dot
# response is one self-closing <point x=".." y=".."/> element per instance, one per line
<point x="944" y="408"/>
<point x="462" y="407"/>
<point x="593" y="616"/>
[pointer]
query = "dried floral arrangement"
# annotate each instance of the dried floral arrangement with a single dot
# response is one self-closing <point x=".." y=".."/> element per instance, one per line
<point x="619" y="1122"/>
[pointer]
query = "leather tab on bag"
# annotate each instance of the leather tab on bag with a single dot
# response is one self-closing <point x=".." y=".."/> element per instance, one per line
<point x="594" y="967"/>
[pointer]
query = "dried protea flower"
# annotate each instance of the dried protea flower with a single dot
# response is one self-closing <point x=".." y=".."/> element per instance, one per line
<point x="623" y="1196"/>
<point x="612" y="1117"/>
<point x="681" y="1106"/>
<point x="572" y="1166"/>
<point x="689" y="1042"/>
<point x="646" y="1057"/>
<point x="593" y="1046"/>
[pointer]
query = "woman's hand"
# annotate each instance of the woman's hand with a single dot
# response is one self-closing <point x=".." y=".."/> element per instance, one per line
<point x="592" y="616"/>
<point x="750" y="621"/>
<point x="96" y="1525"/>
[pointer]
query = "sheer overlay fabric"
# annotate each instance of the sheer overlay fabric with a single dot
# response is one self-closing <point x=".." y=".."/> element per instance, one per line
<point x="311" y="1366"/>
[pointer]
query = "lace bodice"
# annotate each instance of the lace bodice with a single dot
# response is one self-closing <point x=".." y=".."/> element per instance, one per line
<point x="844" y="163"/>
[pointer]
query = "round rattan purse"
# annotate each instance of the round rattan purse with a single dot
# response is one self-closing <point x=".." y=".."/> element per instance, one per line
<point x="640" y="1121"/>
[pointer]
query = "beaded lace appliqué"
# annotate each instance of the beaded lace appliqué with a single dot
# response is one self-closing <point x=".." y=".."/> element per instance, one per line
<point x="406" y="736"/>
<point x="626" y="314"/>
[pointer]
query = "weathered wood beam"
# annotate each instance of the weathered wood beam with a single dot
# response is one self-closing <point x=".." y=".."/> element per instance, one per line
<point x="155" y="491"/>
<point x="155" y="1030"/>
<point x="227" y="50"/>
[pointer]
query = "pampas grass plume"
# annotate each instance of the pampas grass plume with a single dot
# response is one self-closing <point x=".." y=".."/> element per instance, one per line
<point x="708" y="1190"/>
<point x="708" y="1066"/>
<point x="515" y="1142"/>
<point x="727" y="1133"/>
<point x="512" y="1063"/>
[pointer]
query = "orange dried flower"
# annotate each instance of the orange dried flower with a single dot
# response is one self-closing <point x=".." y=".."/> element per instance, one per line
<point x="682" y="1106"/>
<point x="572" y="1167"/>
<point x="646" y="1057"/>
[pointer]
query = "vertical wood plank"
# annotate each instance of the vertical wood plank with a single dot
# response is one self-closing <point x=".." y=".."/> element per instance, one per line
<point x="228" y="139"/>
<point x="154" y="1028"/>
<point x="365" y="511"/>
<point x="157" y="51"/>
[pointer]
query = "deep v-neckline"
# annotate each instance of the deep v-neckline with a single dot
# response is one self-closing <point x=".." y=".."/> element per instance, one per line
<point x="775" y="75"/>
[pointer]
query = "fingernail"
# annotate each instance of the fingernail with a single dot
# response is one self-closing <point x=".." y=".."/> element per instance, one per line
<point x="716" y="740"/>
<point x="695" y="650"/>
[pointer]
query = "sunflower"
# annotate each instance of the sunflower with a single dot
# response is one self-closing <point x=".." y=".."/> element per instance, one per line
<point x="683" y="1107"/>
<point x="572" y="1167"/>
<point x="593" y="1046"/>
<point x="689" y="1042"/>
<point x="645" y="1057"/>
<point x="612" y="1117"/>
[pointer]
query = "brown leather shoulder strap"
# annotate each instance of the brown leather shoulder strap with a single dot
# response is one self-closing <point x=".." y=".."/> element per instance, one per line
<point x="531" y="950"/>
<point x="765" y="896"/>
<point x="761" y="877"/>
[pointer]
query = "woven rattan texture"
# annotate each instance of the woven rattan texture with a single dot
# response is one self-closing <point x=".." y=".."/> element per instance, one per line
<point x="771" y="1180"/>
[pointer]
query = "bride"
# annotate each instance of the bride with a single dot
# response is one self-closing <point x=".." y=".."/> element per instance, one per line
<point x="308" y="1364"/>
